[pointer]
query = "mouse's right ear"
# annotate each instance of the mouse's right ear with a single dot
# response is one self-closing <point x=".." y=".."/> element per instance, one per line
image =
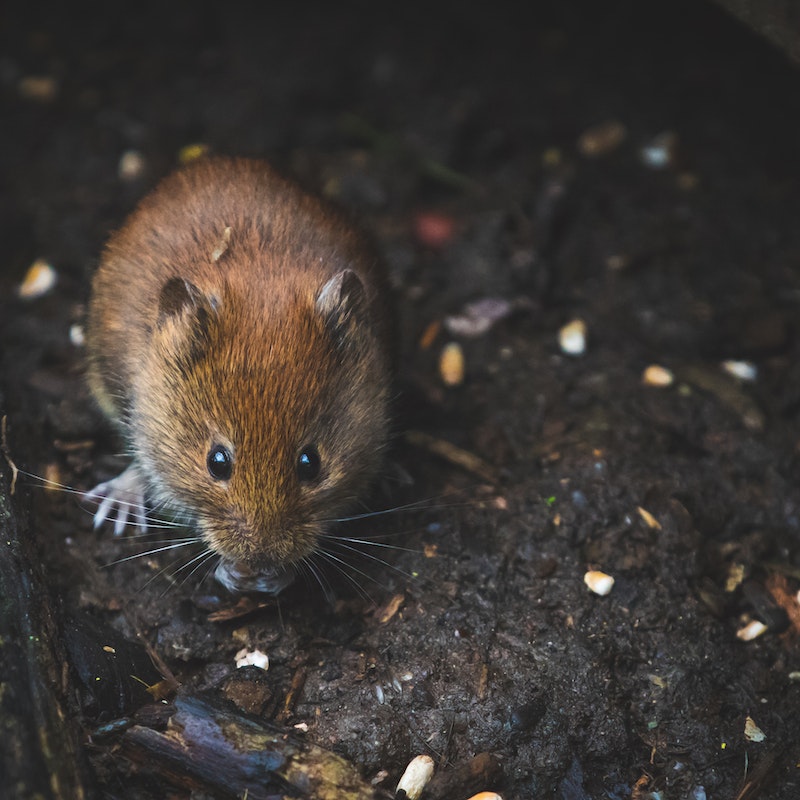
<point x="184" y="316"/>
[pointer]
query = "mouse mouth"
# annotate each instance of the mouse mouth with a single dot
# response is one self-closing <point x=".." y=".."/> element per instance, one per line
<point x="238" y="578"/>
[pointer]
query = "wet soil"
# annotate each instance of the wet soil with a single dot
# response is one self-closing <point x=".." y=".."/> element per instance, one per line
<point x="454" y="134"/>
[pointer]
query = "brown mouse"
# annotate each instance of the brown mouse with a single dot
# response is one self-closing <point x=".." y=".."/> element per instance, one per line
<point x="238" y="336"/>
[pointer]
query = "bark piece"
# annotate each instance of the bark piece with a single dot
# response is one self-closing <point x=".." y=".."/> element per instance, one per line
<point x="208" y="746"/>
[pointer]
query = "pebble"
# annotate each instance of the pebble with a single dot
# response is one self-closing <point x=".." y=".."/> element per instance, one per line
<point x="656" y="375"/>
<point x="598" y="582"/>
<point x="131" y="165"/>
<point x="77" y="335"/>
<point x="41" y="88"/>
<point x="39" y="280"/>
<point x="451" y="364"/>
<point x="660" y="152"/>
<point x="617" y="262"/>
<point x="743" y="370"/>
<point x="572" y="338"/>
<point x="416" y="777"/>
<point x="434" y="229"/>
<point x="602" y="138"/>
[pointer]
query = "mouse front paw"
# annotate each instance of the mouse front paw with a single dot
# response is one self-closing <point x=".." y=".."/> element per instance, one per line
<point x="119" y="499"/>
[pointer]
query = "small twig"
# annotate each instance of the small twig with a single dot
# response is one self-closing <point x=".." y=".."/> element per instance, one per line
<point x="298" y="682"/>
<point x="758" y="776"/>
<point x="452" y="453"/>
<point x="7" y="455"/>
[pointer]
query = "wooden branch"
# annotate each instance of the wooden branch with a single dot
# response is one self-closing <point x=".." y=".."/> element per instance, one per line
<point x="207" y="745"/>
<point x="40" y="754"/>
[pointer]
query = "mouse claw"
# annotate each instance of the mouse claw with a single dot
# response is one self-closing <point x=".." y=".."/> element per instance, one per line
<point x="103" y="509"/>
<point x="119" y="499"/>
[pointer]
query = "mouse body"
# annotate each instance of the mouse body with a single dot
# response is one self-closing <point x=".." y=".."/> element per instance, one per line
<point x="239" y="337"/>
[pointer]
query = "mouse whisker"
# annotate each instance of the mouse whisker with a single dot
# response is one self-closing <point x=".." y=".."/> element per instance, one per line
<point x="163" y="571"/>
<point x="308" y="567"/>
<point x="426" y="503"/>
<point x="198" y="562"/>
<point x="341" y="566"/>
<point x="212" y="566"/>
<point x="144" y="538"/>
<point x="371" y="542"/>
<point x="153" y="551"/>
<point x="374" y="558"/>
<point x="151" y="515"/>
<point x="49" y="484"/>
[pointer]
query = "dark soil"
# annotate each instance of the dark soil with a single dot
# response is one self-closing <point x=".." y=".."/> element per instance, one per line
<point x="474" y="114"/>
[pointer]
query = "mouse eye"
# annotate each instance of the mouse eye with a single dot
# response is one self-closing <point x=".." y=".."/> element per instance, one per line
<point x="308" y="463"/>
<point x="219" y="463"/>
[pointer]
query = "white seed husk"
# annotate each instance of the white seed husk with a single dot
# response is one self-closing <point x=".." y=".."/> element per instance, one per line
<point x="416" y="777"/>
<point x="39" y="279"/>
<point x="751" y="631"/>
<point x="251" y="658"/>
<point x="598" y="582"/>
<point x="451" y="364"/>
<point x="77" y="335"/>
<point x="656" y="375"/>
<point x="131" y="165"/>
<point x="572" y="338"/>
<point x="743" y="370"/>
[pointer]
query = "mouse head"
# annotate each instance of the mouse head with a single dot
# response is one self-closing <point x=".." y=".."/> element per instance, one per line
<point x="267" y="419"/>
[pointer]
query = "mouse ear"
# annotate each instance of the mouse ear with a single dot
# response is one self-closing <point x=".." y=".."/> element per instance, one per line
<point x="177" y="295"/>
<point x="184" y="313"/>
<point x="342" y="300"/>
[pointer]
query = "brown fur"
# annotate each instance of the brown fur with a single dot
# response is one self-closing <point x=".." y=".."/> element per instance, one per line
<point x="186" y="351"/>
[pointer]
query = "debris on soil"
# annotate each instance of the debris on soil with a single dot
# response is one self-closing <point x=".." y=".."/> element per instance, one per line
<point x="39" y="280"/>
<point x="656" y="375"/>
<point x="598" y="582"/>
<point x="434" y="229"/>
<point x="131" y="165"/>
<point x="752" y="630"/>
<point x="743" y="370"/>
<point x="659" y="153"/>
<point x="752" y="732"/>
<point x="416" y="777"/>
<point x="478" y="317"/>
<point x="451" y="364"/>
<point x="601" y="139"/>
<point x="251" y="658"/>
<point x="572" y="338"/>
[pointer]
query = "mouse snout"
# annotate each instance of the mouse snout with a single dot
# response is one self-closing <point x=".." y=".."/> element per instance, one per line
<point x="262" y="541"/>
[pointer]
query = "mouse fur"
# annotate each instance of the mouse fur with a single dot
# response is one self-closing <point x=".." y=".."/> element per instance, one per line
<point x="234" y="313"/>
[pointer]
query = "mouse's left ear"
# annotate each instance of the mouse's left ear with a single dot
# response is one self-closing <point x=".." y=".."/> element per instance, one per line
<point x="184" y="316"/>
<point x="342" y="302"/>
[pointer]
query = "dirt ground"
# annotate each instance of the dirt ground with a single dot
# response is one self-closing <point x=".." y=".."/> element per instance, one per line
<point x="637" y="170"/>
